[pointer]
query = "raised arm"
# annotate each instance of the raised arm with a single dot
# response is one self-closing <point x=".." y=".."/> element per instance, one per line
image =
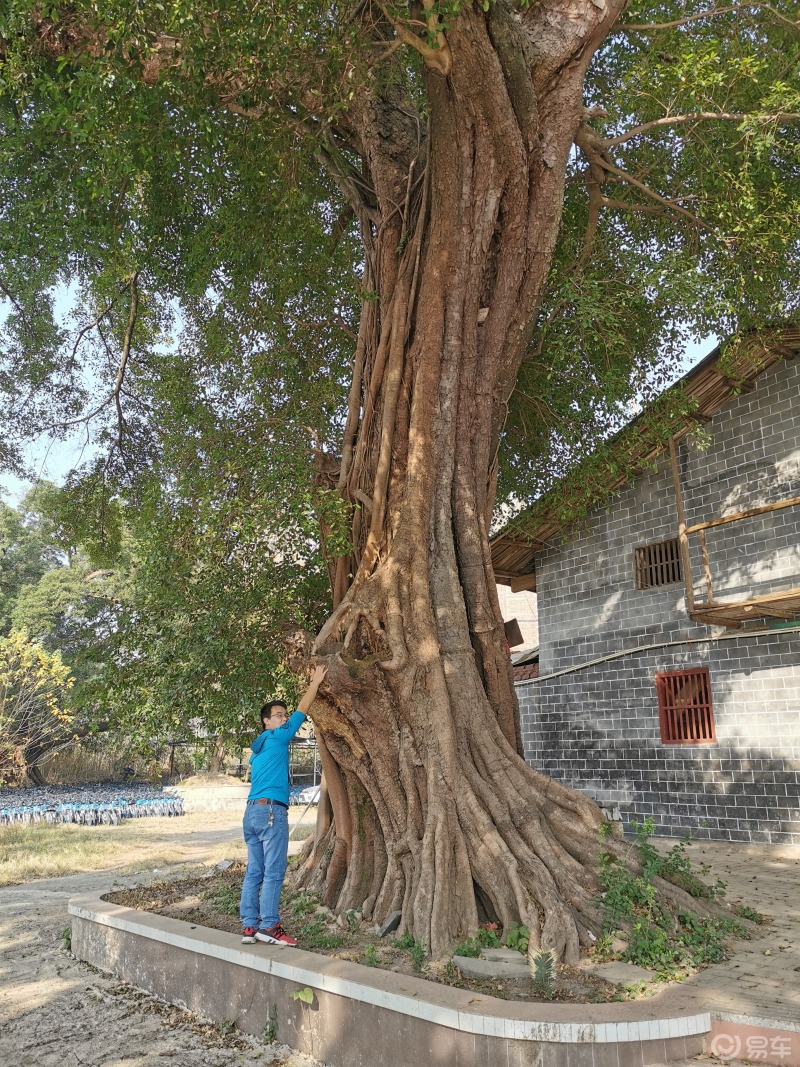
<point x="311" y="693"/>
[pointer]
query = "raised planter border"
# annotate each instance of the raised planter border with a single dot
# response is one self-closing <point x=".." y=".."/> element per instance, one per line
<point x="207" y="971"/>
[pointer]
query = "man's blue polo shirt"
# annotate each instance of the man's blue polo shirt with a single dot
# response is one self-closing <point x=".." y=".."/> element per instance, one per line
<point x="270" y="760"/>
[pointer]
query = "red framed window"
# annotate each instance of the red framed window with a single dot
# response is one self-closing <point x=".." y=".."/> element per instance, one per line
<point x="685" y="714"/>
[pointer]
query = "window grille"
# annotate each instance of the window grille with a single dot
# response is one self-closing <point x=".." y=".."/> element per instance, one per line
<point x="684" y="707"/>
<point x="658" y="564"/>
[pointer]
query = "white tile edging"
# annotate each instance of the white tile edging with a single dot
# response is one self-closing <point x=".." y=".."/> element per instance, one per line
<point x="792" y="1025"/>
<point x="86" y="907"/>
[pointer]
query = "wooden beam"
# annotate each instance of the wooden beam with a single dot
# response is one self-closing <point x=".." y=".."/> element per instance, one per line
<point x="747" y="514"/>
<point x="523" y="582"/>
<point x="684" y="541"/>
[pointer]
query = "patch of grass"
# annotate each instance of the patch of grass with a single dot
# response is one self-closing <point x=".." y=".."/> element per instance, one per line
<point x="225" y="898"/>
<point x="312" y="934"/>
<point x="404" y="942"/>
<point x="370" y="956"/>
<point x="471" y="947"/>
<point x="303" y="903"/>
<point x="44" y="851"/>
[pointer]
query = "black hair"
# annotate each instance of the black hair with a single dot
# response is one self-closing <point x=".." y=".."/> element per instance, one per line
<point x="270" y="704"/>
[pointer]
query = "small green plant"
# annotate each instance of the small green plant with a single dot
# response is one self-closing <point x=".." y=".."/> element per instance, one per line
<point x="370" y="956"/>
<point x="353" y="923"/>
<point x="66" y="938"/>
<point x="313" y="934"/>
<point x="487" y="935"/>
<point x="471" y="947"/>
<point x="303" y="903"/>
<point x="404" y="942"/>
<point x="270" y="1032"/>
<point x="602" y="948"/>
<point x="418" y="954"/>
<point x="542" y="967"/>
<point x="518" y="938"/>
<point x="225" y="898"/>
<point x="746" y="912"/>
<point x="226" y="1027"/>
<point x="306" y="995"/>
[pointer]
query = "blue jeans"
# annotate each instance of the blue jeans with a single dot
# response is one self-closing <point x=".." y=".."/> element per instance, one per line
<point x="267" y="848"/>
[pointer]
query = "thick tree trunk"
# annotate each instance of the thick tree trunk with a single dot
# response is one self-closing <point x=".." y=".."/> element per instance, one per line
<point x="435" y="812"/>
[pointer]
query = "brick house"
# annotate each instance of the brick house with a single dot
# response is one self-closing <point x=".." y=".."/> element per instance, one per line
<point x="669" y="617"/>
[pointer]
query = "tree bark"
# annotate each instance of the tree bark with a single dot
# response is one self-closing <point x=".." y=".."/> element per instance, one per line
<point x="435" y="813"/>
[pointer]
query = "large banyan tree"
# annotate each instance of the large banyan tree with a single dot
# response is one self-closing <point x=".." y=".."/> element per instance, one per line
<point x="418" y="246"/>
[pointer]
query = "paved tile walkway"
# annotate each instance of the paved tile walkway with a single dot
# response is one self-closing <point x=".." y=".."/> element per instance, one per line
<point x="762" y="978"/>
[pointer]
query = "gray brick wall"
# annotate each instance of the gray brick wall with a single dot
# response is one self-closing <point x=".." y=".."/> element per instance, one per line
<point x="597" y="727"/>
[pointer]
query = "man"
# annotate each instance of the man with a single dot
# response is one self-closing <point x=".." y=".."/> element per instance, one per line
<point x="266" y="819"/>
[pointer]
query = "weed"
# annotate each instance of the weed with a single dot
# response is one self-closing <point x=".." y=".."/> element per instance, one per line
<point x="225" y="898"/>
<point x="418" y="954"/>
<point x="518" y="938"/>
<point x="303" y="903"/>
<point x="270" y="1032"/>
<point x="406" y="941"/>
<point x="226" y="1027"/>
<point x="746" y="912"/>
<point x="312" y="934"/>
<point x="370" y="956"/>
<point x="668" y="943"/>
<point x="487" y="935"/>
<point x="306" y="995"/>
<point x="66" y="938"/>
<point x="471" y="947"/>
<point x="602" y="948"/>
<point x="353" y="923"/>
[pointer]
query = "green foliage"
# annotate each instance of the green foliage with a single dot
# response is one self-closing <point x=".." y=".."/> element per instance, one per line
<point x="487" y="935"/>
<point x="746" y="912"/>
<point x="305" y="995"/>
<point x="225" y="898"/>
<point x="419" y="953"/>
<point x="404" y="942"/>
<point x="542" y="971"/>
<point x="471" y="947"/>
<point x="660" y="937"/>
<point x="370" y="956"/>
<point x="303" y="903"/>
<point x="518" y="937"/>
<point x="33" y="721"/>
<point x="270" y="1032"/>
<point x="66" y="938"/>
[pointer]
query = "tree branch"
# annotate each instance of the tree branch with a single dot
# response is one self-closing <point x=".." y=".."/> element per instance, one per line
<point x="701" y="116"/>
<point x="654" y="27"/>
<point x="440" y="58"/>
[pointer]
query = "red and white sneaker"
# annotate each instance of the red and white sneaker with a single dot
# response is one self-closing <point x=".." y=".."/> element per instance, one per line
<point x="275" y="935"/>
<point x="249" y="935"/>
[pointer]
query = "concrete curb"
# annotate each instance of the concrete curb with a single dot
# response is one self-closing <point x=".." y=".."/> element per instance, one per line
<point x="353" y="1005"/>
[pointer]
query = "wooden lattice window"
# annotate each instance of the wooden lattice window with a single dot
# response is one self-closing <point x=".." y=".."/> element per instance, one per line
<point x="658" y="564"/>
<point x="684" y="707"/>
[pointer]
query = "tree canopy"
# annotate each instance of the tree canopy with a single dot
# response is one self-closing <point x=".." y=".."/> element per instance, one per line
<point x="351" y="272"/>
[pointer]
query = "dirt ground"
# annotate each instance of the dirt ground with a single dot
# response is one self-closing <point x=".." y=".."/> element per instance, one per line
<point x="211" y="899"/>
<point x="58" y="1012"/>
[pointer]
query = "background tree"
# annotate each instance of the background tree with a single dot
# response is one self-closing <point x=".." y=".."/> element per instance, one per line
<point x="355" y="229"/>
<point x="34" y="687"/>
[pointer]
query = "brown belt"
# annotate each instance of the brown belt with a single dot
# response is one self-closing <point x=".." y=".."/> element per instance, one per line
<point x="268" y="800"/>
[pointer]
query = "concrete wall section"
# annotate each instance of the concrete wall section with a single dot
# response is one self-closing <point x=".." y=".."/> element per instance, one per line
<point x="366" y="1017"/>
